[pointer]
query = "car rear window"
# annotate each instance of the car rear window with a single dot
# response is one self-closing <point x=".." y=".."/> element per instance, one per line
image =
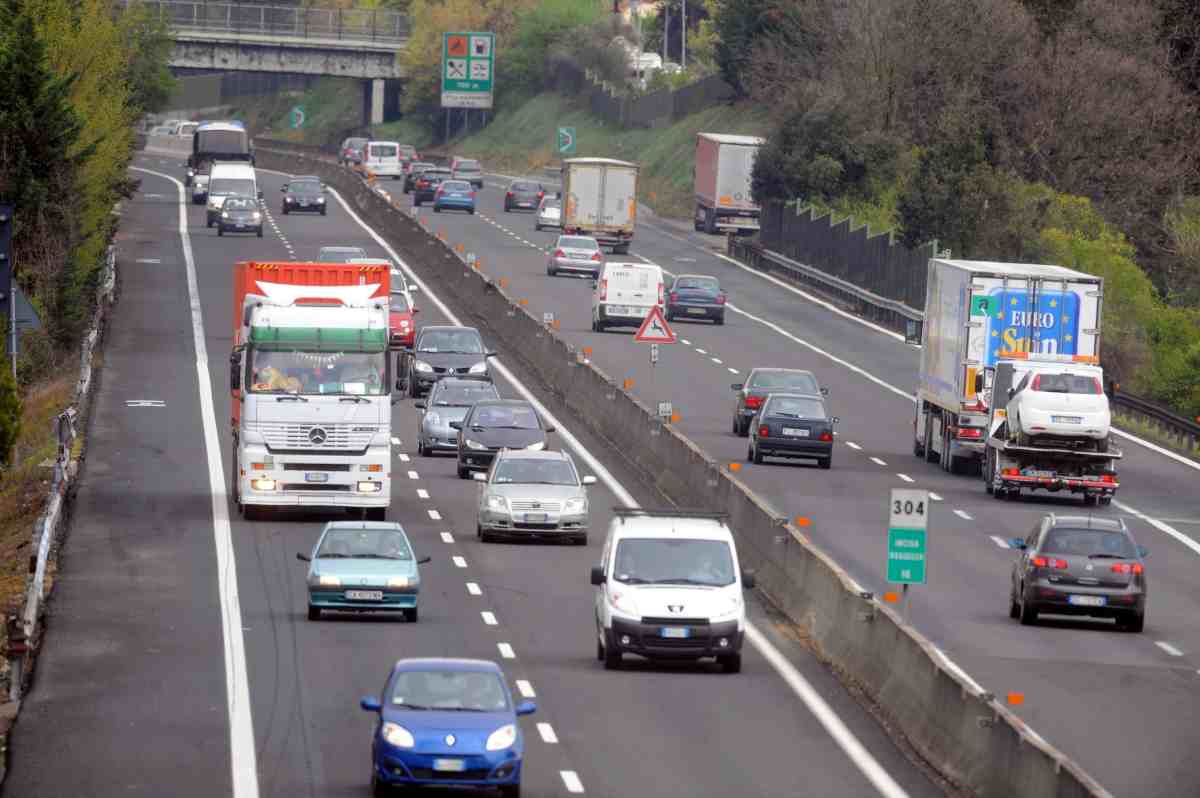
<point x="1066" y="383"/>
<point x="468" y="165"/>
<point x="304" y="187"/>
<point x="466" y="395"/>
<point x="795" y="407"/>
<point x="456" y="185"/>
<point x="706" y="283"/>
<point x="783" y="380"/>
<point x="1084" y="542"/>
<point x="531" y="471"/>
<point x="383" y="150"/>
<point x="399" y="303"/>
<point x="578" y="242"/>
<point x="524" y="187"/>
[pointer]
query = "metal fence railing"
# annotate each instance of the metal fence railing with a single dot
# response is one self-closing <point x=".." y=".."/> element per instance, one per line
<point x="351" y="24"/>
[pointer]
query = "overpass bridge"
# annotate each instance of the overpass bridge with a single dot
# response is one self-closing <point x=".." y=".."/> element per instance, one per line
<point x="348" y="43"/>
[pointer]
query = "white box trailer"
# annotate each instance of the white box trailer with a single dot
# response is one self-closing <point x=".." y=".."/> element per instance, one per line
<point x="975" y="313"/>
<point x="721" y="177"/>
<point x="600" y="200"/>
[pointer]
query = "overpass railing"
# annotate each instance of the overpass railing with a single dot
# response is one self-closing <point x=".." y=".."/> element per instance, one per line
<point x="351" y="24"/>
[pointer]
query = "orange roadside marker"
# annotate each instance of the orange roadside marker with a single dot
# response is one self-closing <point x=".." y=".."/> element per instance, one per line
<point x="628" y="383"/>
<point x="891" y="598"/>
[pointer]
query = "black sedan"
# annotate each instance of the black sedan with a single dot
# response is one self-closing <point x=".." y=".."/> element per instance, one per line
<point x="442" y="351"/>
<point x="413" y="172"/>
<point x="1079" y="565"/>
<point x="792" y="426"/>
<point x="494" y="425"/>
<point x="426" y="184"/>
<point x="304" y="194"/>
<point x="240" y="214"/>
<point x="696" y="296"/>
<point x="760" y="383"/>
<point x="523" y="194"/>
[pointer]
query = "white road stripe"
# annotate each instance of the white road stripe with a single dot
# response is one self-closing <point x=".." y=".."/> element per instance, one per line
<point x="732" y="370"/>
<point x="460" y="562"/>
<point x="413" y="475"/>
<point x="1159" y="525"/>
<point x="488" y="618"/>
<point x="877" y="461"/>
<point x="525" y="689"/>
<point x="473" y="589"/>
<point x="547" y="732"/>
<point x="964" y="515"/>
<point x="700" y="351"/>
<point x="403" y="457"/>
<point x="242" y="752"/>
<point x="434" y="515"/>
<point x="935" y="496"/>
<point x="716" y="360"/>
<point x="506" y="651"/>
<point x="1167" y="647"/>
<point x="1001" y="542"/>
<point x="685" y="342"/>
<point x="447" y="537"/>
<point x="853" y="445"/>
<point x="571" y="780"/>
<point x="905" y="477"/>
<point x="422" y="493"/>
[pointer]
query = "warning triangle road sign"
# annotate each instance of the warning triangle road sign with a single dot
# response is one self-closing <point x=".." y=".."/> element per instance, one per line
<point x="654" y="329"/>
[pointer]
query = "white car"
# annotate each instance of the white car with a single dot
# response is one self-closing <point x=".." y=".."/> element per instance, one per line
<point x="549" y="213"/>
<point x="1061" y="404"/>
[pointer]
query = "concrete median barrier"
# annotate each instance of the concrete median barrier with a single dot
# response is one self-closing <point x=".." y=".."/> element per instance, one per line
<point x="963" y="731"/>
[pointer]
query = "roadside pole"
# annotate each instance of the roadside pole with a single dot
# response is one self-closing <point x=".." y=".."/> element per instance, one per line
<point x="907" y="544"/>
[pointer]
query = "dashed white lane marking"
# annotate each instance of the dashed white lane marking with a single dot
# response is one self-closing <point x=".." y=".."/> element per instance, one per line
<point x="700" y="351"/>
<point x="460" y="562"/>
<point x="937" y="497"/>
<point x="571" y="781"/>
<point x="905" y="477"/>
<point x="964" y="515"/>
<point x="853" y="445"/>
<point x="473" y="589"/>
<point x="447" y="537"/>
<point x="547" y="732"/>
<point x="1167" y="647"/>
<point x="488" y="618"/>
<point x="526" y="689"/>
<point x="422" y="493"/>
<point x="506" y="651"/>
<point x="877" y="461"/>
<point x="395" y="441"/>
<point x="732" y="370"/>
<point x="1001" y="542"/>
<point x="434" y="515"/>
<point x="403" y="457"/>
<point x="685" y="342"/>
<point x="716" y="360"/>
<point x="413" y="475"/>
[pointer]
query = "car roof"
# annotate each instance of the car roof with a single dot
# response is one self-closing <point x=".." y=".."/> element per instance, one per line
<point x="445" y="327"/>
<point x="668" y="526"/>
<point x="504" y="403"/>
<point x="232" y="167"/>
<point x="391" y="525"/>
<point x="773" y="370"/>
<point x="447" y="664"/>
<point x="527" y="454"/>
<point x="1087" y="522"/>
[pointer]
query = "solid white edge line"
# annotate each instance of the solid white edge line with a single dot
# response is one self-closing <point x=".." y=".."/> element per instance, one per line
<point x="525" y="689"/>
<point x="242" y="755"/>
<point x="1159" y="525"/>
<point x="1167" y="647"/>
<point x="571" y="781"/>
<point x="547" y="732"/>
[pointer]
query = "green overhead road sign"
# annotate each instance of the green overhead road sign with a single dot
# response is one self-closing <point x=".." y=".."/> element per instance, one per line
<point x="468" y="69"/>
<point x="566" y="141"/>
<point x="296" y="117"/>
<point x="908" y="513"/>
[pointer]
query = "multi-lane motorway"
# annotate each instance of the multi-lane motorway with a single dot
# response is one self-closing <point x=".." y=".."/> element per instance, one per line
<point x="179" y="661"/>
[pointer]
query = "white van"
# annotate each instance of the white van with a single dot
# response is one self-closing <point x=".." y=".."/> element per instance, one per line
<point x="224" y="179"/>
<point x="384" y="159"/>
<point x="669" y="587"/>
<point x="624" y="294"/>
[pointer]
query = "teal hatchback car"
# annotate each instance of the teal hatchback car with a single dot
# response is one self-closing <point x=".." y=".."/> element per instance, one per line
<point x="363" y="566"/>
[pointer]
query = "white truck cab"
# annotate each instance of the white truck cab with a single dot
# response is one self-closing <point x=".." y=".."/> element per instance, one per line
<point x="669" y="587"/>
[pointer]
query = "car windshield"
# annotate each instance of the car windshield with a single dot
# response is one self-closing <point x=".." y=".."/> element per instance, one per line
<point x="224" y="186"/>
<point x="673" y="561"/>
<point x="464" y="395"/>
<point x="783" y="380"/>
<point x="458" y="342"/>
<point x="309" y="373"/>
<point x="795" y="407"/>
<point x="240" y="204"/>
<point x="1065" y="383"/>
<point x="467" y="691"/>
<point x="505" y="417"/>
<point x="455" y="185"/>
<point x="304" y="187"/>
<point x="530" y="471"/>
<point x="376" y="544"/>
<point x="468" y="166"/>
<point x="420" y="167"/>
<point x="340" y="254"/>
<point x="1089" y="543"/>
<point x="399" y="303"/>
<point x="527" y="187"/>
<point x="383" y="151"/>
<point x="704" y="283"/>
<point x="355" y="144"/>
<point x="578" y="242"/>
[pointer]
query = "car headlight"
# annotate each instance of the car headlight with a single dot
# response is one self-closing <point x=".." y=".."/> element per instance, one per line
<point x="257" y="216"/>
<point x="224" y="214"/>
<point x="624" y="602"/>
<point x="479" y="368"/>
<point x="536" y="447"/>
<point x="576" y="505"/>
<point x="397" y="735"/>
<point x="422" y="367"/>
<point x="497" y="503"/>
<point x="502" y="738"/>
<point x="320" y="200"/>
<point x="403" y="324"/>
<point x="329" y="581"/>
<point x="398" y="581"/>
<point x="729" y="605"/>
<point x="433" y="418"/>
<point x="474" y="444"/>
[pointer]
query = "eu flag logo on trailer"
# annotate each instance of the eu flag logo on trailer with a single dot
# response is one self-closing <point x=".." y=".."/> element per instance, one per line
<point x="1051" y="328"/>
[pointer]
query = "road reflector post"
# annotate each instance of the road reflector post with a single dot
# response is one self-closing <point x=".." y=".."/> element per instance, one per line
<point x="555" y="324"/>
<point x="459" y="248"/>
<point x="1016" y="699"/>
<point x="735" y="466"/>
<point x="522" y="302"/>
<point x="587" y="351"/>
<point x="675" y="418"/>
<point x="628" y="383"/>
<point x="802" y="521"/>
<point x="503" y="282"/>
<point x="891" y="597"/>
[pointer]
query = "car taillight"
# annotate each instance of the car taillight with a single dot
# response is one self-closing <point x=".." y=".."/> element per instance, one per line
<point x="826" y="437"/>
<point x="471" y="195"/>
<point x="541" y="194"/>
<point x="720" y="299"/>
<point x="674" y="296"/>
<point x="970" y="432"/>
<point x="604" y="289"/>
<point x="558" y="253"/>
<point x="1010" y="472"/>
<point x="764" y="431"/>
<point x="596" y="256"/>
<point x="1127" y="568"/>
<point x="508" y="195"/>
<point x="754" y="402"/>
<point x="1099" y="387"/>
<point x="660" y="293"/>
<point x="1036" y="385"/>
<point x="1046" y="562"/>
<point x="1109" y="478"/>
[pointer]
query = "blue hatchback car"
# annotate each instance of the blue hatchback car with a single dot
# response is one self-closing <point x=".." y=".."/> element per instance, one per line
<point x="458" y="195"/>
<point x="450" y="722"/>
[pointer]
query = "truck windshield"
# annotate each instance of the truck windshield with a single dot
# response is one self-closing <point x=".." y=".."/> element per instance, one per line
<point x="221" y="142"/>
<point x="309" y="373"/>
<point x="224" y="186"/>
<point x="667" y="561"/>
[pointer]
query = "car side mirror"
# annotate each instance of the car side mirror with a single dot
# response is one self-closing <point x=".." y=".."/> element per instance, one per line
<point x="370" y="703"/>
<point x="737" y="386"/>
<point x="283" y="189"/>
<point x="1143" y="551"/>
<point x="589" y="480"/>
<point x="526" y="708"/>
<point x="748" y="581"/>
<point x="489" y="354"/>
<point x="260" y="194"/>
<point x="1017" y="543"/>
<point x="479" y="476"/>
<point x="550" y="429"/>
<point x="455" y="425"/>
<point x="419" y="405"/>
<point x="836" y="419"/>
<point x="824" y="392"/>
<point x="597" y="575"/>
<point x="424" y="560"/>
<point x="235" y="371"/>
<point x="1011" y="391"/>
<point x="303" y="557"/>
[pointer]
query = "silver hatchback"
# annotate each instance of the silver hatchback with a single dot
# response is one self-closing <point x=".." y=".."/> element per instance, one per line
<point x="549" y="213"/>
<point x="533" y="494"/>
<point x="575" y="255"/>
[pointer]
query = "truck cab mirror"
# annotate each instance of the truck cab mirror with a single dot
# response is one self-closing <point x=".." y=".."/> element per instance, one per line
<point x="597" y="575"/>
<point x="260" y="194"/>
<point x="737" y="386"/>
<point x="235" y="371"/>
<point x="824" y="392"/>
<point x="748" y="581"/>
<point x="979" y="383"/>
<point x="1011" y="392"/>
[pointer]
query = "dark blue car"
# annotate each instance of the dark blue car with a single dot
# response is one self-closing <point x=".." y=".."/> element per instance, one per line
<point x="696" y="296"/>
<point x="458" y="195"/>
<point x="450" y="722"/>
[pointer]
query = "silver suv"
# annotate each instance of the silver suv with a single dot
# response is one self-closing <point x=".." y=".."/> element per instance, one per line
<point x="533" y="494"/>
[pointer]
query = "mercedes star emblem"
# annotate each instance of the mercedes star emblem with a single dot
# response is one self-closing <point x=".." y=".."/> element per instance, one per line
<point x="676" y="608"/>
<point x="317" y="435"/>
<point x="451" y="739"/>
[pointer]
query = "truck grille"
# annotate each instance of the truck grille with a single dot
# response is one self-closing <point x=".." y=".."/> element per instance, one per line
<point x="299" y="436"/>
<point x="316" y="466"/>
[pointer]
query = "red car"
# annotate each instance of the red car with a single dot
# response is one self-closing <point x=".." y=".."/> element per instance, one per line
<point x="401" y="324"/>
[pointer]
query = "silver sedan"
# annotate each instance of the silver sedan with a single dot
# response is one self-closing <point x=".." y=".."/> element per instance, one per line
<point x="575" y="255"/>
<point x="533" y="494"/>
<point x="449" y="400"/>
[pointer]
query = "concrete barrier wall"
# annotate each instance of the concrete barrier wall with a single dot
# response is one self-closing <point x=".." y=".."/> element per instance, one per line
<point x="966" y="734"/>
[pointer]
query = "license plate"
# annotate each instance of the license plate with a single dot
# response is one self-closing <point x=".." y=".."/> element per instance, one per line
<point x="677" y="632"/>
<point x="1066" y="419"/>
<point x="449" y="765"/>
<point x="316" y="477"/>
<point x="241" y="224"/>
<point x="540" y="517"/>
<point x="524" y="204"/>
<point x="1086" y="601"/>
<point x="1032" y="473"/>
<point x="789" y="432"/>
<point x="364" y="595"/>
<point x="456" y="196"/>
<point x="696" y="311"/>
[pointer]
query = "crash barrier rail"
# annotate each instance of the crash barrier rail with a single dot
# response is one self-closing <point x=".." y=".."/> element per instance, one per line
<point x="25" y="630"/>
<point x="346" y="24"/>
<point x="1183" y="432"/>
<point x="973" y="739"/>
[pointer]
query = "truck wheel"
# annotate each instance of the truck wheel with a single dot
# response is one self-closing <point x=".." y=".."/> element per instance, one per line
<point x="696" y="223"/>
<point x="1102" y="445"/>
<point x="1135" y="622"/>
<point x="710" y="221"/>
<point x="930" y="454"/>
<point x="1105" y="501"/>
<point x="730" y="663"/>
<point x="1089" y="500"/>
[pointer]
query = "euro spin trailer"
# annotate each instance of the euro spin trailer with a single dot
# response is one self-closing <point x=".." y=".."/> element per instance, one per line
<point x="974" y="311"/>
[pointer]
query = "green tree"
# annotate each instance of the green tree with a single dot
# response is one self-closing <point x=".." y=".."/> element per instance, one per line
<point x="10" y="416"/>
<point x="148" y="43"/>
<point x="538" y="31"/>
<point x="743" y="25"/>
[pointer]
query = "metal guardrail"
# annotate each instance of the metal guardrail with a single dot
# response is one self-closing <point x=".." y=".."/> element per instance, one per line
<point x="1184" y="432"/>
<point x="24" y="631"/>
<point x="349" y="24"/>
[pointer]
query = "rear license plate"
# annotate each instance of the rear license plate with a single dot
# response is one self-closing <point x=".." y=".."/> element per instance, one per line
<point x="1066" y="419"/>
<point x="789" y="432"/>
<point x="364" y="595"/>
<point x="316" y="477"/>
<point x="525" y="204"/>
<point x="1086" y="601"/>
<point x="536" y="517"/>
<point x="677" y="632"/>
<point x="696" y="311"/>
<point x="1032" y="473"/>
<point x="241" y="224"/>
<point x="449" y="765"/>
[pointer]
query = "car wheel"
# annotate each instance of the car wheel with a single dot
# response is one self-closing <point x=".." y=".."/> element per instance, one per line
<point x="220" y="230"/>
<point x="284" y="210"/>
<point x="416" y="202"/>
<point x="750" y="453"/>
<point x="612" y="659"/>
<point x="737" y="428"/>
<point x="1028" y="613"/>
<point x="1135" y="622"/>
<point x="510" y="791"/>
<point x="322" y="211"/>
<point x="670" y="316"/>
<point x="599" y="650"/>
<point x="410" y="615"/>
<point x="758" y="456"/>
<point x="379" y="788"/>
<point x="253" y="512"/>
<point x="463" y="473"/>
<point x="314" y="613"/>
<point x="472" y="211"/>
<point x="720" y="320"/>
<point x="730" y="663"/>
<point x="580" y="540"/>
<point x="551" y="271"/>
<point x="260" y="231"/>
<point x="208" y="223"/>
<point x="422" y="449"/>
<point x="537" y="227"/>
<point x="1014" y="609"/>
<point x="827" y="463"/>
<point x="437" y="209"/>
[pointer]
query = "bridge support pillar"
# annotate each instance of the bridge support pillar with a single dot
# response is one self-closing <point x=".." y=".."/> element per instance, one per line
<point x="377" y="101"/>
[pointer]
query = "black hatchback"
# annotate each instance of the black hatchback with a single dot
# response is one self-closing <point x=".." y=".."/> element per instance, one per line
<point x="306" y="194"/>
<point x="415" y="169"/>
<point x="427" y="183"/>
<point x="793" y="426"/>
<point x="442" y="351"/>
<point x="523" y="194"/>
<point x="494" y="425"/>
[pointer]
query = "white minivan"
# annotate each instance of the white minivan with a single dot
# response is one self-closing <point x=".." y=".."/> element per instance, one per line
<point x="227" y="178"/>
<point x="384" y="159"/>
<point x="624" y="294"/>
<point x="669" y="587"/>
